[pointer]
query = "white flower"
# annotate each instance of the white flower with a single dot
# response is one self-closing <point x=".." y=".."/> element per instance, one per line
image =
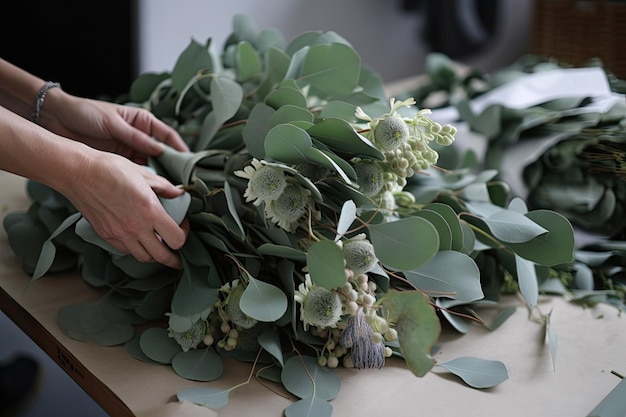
<point x="290" y="207"/>
<point x="265" y="183"/>
<point x="319" y="306"/>
<point x="190" y="339"/>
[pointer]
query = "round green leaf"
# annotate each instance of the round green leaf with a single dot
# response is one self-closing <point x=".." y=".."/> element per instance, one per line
<point x="263" y="301"/>
<point x="405" y="244"/>
<point x="304" y="378"/>
<point x="198" y="365"/>
<point x="100" y="323"/>
<point x="477" y="373"/>
<point x="417" y="324"/>
<point x="449" y="274"/>
<point x="287" y="143"/>
<point x="340" y="136"/>
<point x="326" y="265"/>
<point x="309" y="407"/>
<point x="330" y="70"/>
<point x="553" y="248"/>
<point x="158" y="346"/>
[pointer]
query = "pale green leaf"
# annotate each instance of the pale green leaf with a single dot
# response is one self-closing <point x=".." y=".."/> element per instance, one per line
<point x="449" y="274"/>
<point x="346" y="218"/>
<point x="527" y="279"/>
<point x="100" y="323"/>
<point x="341" y="137"/>
<point x="263" y="301"/>
<point x="477" y="373"/>
<point x="326" y="265"/>
<point x="417" y="324"/>
<point x="405" y="244"/>
<point x="553" y="248"/>
<point x="287" y="143"/>
<point x="512" y="226"/>
<point x="613" y="405"/>
<point x="309" y="407"/>
<point x="288" y="252"/>
<point x="248" y="62"/>
<point x="158" y="346"/>
<point x="304" y="378"/>
<point x="330" y="70"/>
<point x="270" y="341"/>
<point x="198" y="365"/>
<point x="226" y="96"/>
<point x="552" y="340"/>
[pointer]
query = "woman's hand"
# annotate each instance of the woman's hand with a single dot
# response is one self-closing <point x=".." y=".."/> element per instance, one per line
<point x="119" y="199"/>
<point x="125" y="130"/>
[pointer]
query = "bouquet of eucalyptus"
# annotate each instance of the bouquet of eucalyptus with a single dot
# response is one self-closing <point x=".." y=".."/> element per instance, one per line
<point x="323" y="234"/>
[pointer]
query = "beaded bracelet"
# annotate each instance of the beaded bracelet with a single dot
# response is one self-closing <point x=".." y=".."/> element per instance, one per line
<point x="41" y="95"/>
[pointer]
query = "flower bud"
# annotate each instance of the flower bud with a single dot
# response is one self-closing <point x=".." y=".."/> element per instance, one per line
<point x="391" y="132"/>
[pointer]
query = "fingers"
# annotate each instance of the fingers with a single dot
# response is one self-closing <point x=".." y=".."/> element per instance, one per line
<point x="147" y="127"/>
<point x="167" y="135"/>
<point x="150" y="249"/>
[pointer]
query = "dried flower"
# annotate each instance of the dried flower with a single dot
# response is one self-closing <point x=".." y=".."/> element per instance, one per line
<point x="191" y="338"/>
<point x="359" y="337"/>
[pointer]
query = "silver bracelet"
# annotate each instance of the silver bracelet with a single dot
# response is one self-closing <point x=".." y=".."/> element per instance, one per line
<point x="41" y="95"/>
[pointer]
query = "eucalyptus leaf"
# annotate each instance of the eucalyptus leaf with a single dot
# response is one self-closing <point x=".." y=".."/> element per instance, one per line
<point x="304" y="378"/>
<point x="330" y="70"/>
<point x="405" y="244"/>
<point x="527" y="278"/>
<point x="325" y="263"/>
<point x="613" y="404"/>
<point x="346" y="218"/>
<point x="449" y="274"/>
<point x="417" y="325"/>
<point x="158" y="346"/>
<point x="309" y="407"/>
<point x="198" y="364"/>
<point x="287" y="143"/>
<point x="476" y="372"/>
<point x="99" y="323"/>
<point x="270" y="341"/>
<point x="263" y="301"/>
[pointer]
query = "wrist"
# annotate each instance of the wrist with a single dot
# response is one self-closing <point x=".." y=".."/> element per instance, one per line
<point x="40" y="98"/>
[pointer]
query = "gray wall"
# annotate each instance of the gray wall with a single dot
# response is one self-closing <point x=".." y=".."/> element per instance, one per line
<point x="386" y="37"/>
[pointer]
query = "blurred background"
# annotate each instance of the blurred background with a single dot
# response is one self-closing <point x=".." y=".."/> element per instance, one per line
<point x="96" y="48"/>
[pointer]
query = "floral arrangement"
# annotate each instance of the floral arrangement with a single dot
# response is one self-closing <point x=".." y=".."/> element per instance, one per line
<point x="324" y="233"/>
<point x="575" y="165"/>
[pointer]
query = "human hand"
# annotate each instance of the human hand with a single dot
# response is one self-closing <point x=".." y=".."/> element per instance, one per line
<point x="125" y="130"/>
<point x="119" y="199"/>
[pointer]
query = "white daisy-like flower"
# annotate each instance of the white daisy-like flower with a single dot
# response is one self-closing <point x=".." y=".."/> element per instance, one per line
<point x="265" y="182"/>
<point x="319" y="306"/>
<point x="290" y="207"/>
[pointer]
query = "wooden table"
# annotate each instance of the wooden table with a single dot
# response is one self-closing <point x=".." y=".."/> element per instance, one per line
<point x="591" y="345"/>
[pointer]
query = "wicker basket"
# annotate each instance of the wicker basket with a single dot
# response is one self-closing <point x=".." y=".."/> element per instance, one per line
<point x="574" y="31"/>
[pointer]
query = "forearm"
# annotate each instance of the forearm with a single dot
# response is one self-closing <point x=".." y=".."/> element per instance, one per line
<point x="30" y="151"/>
<point x="18" y="89"/>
